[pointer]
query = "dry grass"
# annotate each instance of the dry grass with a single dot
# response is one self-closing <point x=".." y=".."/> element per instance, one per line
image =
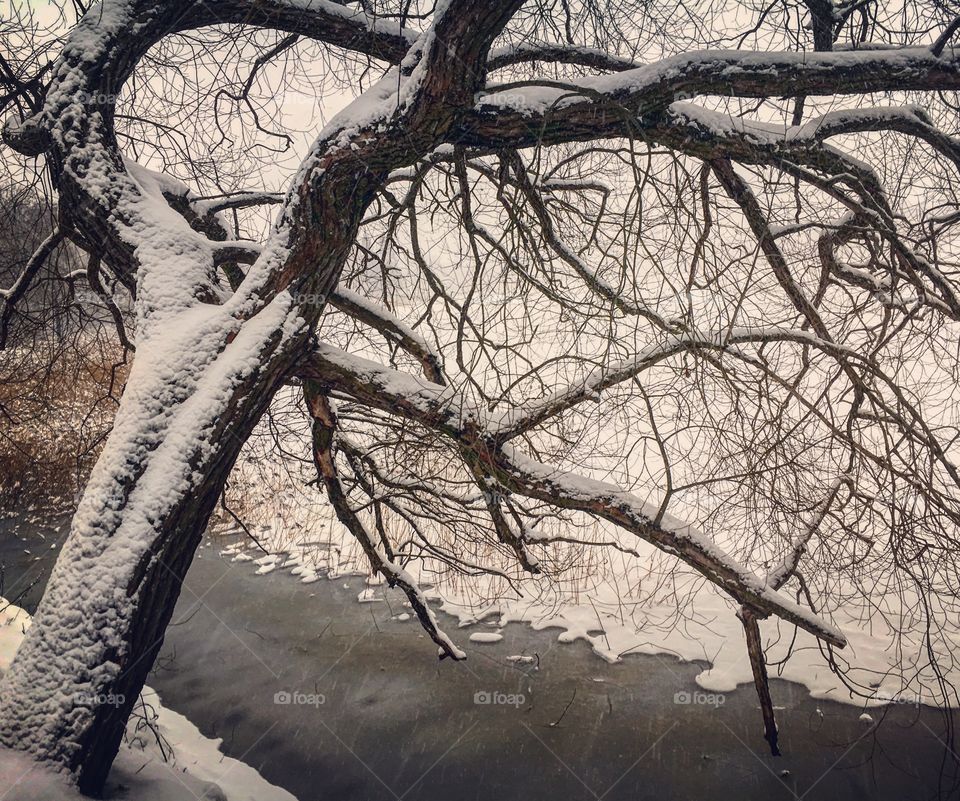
<point x="57" y="401"/>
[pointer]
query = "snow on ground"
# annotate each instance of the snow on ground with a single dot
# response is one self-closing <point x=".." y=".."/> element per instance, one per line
<point x="186" y="767"/>
<point x="26" y="780"/>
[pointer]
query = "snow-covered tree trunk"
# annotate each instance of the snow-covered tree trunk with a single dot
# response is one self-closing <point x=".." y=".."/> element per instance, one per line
<point x="208" y="363"/>
<point x="209" y="358"/>
<point x="102" y="620"/>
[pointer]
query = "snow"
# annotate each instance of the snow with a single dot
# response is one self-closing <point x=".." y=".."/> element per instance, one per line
<point x="418" y="392"/>
<point x="598" y="612"/>
<point x="563" y="52"/>
<point x="201" y="757"/>
<point x="486" y="637"/>
<point x="368" y="596"/>
<point x="707" y="72"/>
<point x="267" y="564"/>
<point x="374" y="24"/>
<point x="711" y="633"/>
<point x="196" y="768"/>
<point x="22" y="779"/>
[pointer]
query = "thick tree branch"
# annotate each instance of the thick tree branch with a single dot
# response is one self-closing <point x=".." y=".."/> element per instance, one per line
<point x="608" y="106"/>
<point x="398" y="393"/>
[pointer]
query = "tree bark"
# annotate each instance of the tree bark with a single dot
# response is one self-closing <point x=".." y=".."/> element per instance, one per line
<point x="206" y="369"/>
<point x="758" y="665"/>
<point x="157" y="586"/>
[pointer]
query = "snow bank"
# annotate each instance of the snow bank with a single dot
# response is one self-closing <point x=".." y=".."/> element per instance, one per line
<point x="26" y="780"/>
<point x="187" y="767"/>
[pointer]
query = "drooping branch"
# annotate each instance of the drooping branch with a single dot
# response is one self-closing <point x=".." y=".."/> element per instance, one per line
<point x="743" y="195"/>
<point x="903" y="412"/>
<point x="776" y="578"/>
<point x="606" y="501"/>
<point x="761" y="682"/>
<point x="324" y="432"/>
<point x="438" y="408"/>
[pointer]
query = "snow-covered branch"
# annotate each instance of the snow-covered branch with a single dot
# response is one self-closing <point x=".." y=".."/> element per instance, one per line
<point x="438" y="408"/>
<point x="591" y="108"/>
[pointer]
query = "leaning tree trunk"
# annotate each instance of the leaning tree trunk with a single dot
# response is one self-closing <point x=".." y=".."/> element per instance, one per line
<point x="206" y="367"/>
<point x="201" y="380"/>
<point x="67" y="696"/>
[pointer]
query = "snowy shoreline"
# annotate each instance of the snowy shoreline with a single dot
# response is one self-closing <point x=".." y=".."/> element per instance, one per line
<point x="711" y="633"/>
<point x="186" y="767"/>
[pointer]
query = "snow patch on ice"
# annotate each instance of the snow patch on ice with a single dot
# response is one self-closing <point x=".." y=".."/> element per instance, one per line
<point x="486" y="636"/>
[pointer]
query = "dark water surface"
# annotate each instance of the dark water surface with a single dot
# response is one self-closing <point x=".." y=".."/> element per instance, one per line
<point x="333" y="699"/>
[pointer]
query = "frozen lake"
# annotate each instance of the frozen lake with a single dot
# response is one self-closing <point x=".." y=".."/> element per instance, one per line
<point x="331" y="698"/>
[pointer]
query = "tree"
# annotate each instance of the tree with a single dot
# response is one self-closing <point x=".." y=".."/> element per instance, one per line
<point x="684" y="239"/>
